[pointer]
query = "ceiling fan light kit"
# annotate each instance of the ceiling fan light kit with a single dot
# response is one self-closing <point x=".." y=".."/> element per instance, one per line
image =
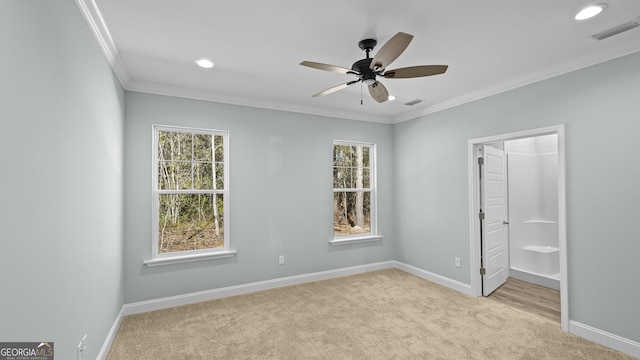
<point x="368" y="69"/>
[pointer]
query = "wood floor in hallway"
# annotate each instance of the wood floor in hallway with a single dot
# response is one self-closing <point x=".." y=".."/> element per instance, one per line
<point x="529" y="297"/>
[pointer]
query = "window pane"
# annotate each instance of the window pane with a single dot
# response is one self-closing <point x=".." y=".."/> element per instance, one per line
<point x="184" y="146"/>
<point x="220" y="176"/>
<point x="190" y="222"/>
<point x="351" y="213"/>
<point x="365" y="157"/>
<point x="353" y="178"/>
<point x="366" y="175"/>
<point x="174" y="175"/>
<point x="202" y="147"/>
<point x="342" y="178"/>
<point x="164" y="145"/>
<point x="163" y="178"/>
<point x="219" y="148"/>
<point x="342" y="155"/>
<point x="174" y="146"/>
<point x="353" y="155"/>
<point x="203" y="176"/>
<point x="182" y="175"/>
<point x="358" y="178"/>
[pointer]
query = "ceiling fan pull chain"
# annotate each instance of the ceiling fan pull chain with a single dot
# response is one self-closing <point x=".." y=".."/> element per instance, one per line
<point x="361" y="102"/>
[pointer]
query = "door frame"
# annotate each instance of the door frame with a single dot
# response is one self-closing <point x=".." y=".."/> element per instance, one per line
<point x="474" y="208"/>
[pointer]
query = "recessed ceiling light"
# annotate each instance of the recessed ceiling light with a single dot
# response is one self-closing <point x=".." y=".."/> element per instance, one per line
<point x="205" y="63"/>
<point x="391" y="97"/>
<point x="590" y="11"/>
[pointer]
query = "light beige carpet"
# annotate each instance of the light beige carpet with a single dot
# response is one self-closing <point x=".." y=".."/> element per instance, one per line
<point x="386" y="314"/>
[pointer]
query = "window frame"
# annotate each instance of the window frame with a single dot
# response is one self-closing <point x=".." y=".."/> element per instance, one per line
<point x="174" y="257"/>
<point x="373" y="234"/>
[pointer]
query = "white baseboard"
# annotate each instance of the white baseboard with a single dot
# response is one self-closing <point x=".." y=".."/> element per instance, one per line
<point x="438" y="279"/>
<point x="607" y="339"/>
<point x="186" y="299"/>
<point x="102" y="355"/>
<point x="535" y="279"/>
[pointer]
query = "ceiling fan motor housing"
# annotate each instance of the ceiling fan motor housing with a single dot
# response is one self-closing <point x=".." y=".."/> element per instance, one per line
<point x="367" y="75"/>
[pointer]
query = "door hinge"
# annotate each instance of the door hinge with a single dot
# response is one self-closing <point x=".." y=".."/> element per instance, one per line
<point x="481" y="215"/>
<point x="482" y="271"/>
<point x="480" y="161"/>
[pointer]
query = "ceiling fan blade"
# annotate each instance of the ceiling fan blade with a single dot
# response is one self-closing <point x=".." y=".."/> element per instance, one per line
<point x="378" y="92"/>
<point x="415" y="71"/>
<point x="390" y="51"/>
<point x="335" y="88"/>
<point x="327" y="67"/>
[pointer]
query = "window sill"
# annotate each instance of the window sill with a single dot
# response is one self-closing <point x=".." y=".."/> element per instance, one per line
<point x="355" y="239"/>
<point x="177" y="259"/>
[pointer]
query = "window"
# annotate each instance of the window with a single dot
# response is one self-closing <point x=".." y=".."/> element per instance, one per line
<point x="354" y="192"/>
<point x="190" y="194"/>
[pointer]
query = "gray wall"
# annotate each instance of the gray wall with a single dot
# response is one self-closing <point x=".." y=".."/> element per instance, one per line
<point x="600" y="108"/>
<point x="61" y="140"/>
<point x="280" y="195"/>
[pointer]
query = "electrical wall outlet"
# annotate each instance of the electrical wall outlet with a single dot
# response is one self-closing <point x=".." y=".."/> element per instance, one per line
<point x="281" y="259"/>
<point x="457" y="262"/>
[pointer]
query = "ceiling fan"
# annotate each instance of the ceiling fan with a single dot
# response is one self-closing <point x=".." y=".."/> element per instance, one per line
<point x="369" y="68"/>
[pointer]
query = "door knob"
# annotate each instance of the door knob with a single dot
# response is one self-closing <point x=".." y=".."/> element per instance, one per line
<point x="505" y="222"/>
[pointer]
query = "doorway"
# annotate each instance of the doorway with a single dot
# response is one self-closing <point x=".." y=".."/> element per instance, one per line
<point x="476" y="216"/>
<point x="532" y="172"/>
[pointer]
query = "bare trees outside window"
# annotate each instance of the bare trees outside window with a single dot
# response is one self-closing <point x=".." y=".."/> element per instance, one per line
<point x="353" y="188"/>
<point x="190" y="189"/>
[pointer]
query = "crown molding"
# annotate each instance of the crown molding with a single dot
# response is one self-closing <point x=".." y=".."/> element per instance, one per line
<point x="96" y="23"/>
<point x="196" y="94"/>
<point x="513" y="84"/>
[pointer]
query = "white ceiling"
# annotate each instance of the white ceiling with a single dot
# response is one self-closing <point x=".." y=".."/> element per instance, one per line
<point x="490" y="46"/>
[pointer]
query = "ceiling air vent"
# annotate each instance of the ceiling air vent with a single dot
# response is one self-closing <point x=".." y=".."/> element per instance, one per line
<point x="413" y="102"/>
<point x="616" y="30"/>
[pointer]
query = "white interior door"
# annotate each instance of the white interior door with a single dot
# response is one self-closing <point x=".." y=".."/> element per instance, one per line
<point x="495" y="248"/>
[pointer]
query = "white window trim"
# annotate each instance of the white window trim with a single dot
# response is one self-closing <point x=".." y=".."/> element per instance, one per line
<point x="373" y="217"/>
<point x="192" y="255"/>
<point x="189" y="257"/>
<point x="355" y="239"/>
